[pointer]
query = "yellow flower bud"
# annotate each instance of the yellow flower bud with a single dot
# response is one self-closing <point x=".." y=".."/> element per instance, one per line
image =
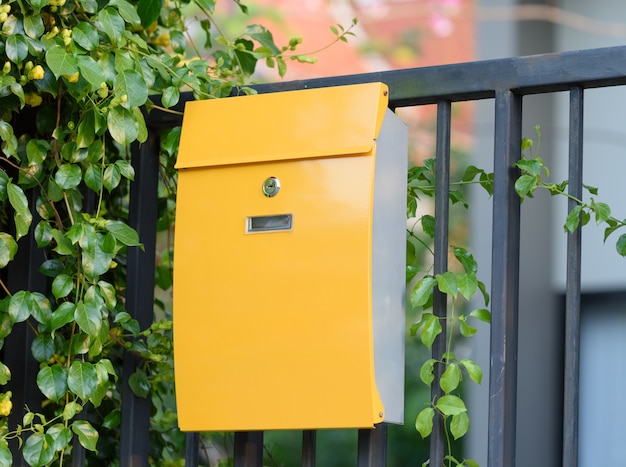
<point x="36" y="73"/>
<point x="73" y="78"/>
<point x="162" y="40"/>
<point x="5" y="408"/>
<point x="6" y="69"/>
<point x="3" y="17"/>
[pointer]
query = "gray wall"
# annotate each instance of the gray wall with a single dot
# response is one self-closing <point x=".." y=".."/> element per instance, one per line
<point x="543" y="241"/>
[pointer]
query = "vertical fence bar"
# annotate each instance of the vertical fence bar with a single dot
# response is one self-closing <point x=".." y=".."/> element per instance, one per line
<point x="309" y="448"/>
<point x="505" y="281"/>
<point x="442" y="203"/>
<point x="135" y="435"/>
<point x="372" y="447"/>
<point x="248" y="449"/>
<point x="572" y="294"/>
<point x="192" y="447"/>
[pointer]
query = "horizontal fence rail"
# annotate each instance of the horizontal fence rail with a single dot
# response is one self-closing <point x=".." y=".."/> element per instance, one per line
<point x="506" y="81"/>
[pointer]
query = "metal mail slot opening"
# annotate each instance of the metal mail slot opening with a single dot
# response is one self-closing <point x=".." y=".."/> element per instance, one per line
<point x="269" y="223"/>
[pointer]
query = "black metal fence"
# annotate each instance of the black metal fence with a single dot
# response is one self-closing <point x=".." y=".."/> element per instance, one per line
<point x="506" y="81"/>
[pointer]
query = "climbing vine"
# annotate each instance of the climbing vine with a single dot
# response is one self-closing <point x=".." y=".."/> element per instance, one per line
<point x="460" y="284"/>
<point x="77" y="78"/>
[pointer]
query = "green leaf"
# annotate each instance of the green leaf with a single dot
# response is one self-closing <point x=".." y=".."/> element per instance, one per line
<point x="170" y="97"/>
<point x="573" y="219"/>
<point x="16" y="48"/>
<point x="122" y="125"/>
<point x="142" y="129"/>
<point x="88" y="318"/>
<point x="112" y="177"/>
<point x="5" y="374"/>
<point x="71" y="409"/>
<point x="447" y="283"/>
<point x="38" y="449"/>
<point x="459" y="425"/>
<point x="9" y="145"/>
<point x="468" y="284"/>
<point x="63" y="315"/>
<point x="91" y="71"/>
<point x="22" y="216"/>
<point x="127" y="11"/>
<point x="52" y="382"/>
<point x="482" y="314"/>
<point x="148" y="11"/>
<point x="422" y="291"/>
<point x="450" y="378"/>
<point x="471" y="463"/>
<point x="6" y="458"/>
<point x="82" y="379"/>
<point x="428" y="225"/>
<point x="112" y="420"/>
<point x="86" y="35"/>
<point x="37" y="150"/>
<point x="108" y="294"/>
<point x="465" y="329"/>
<point x="139" y="383"/>
<point x="8" y="248"/>
<point x="123" y="233"/>
<point x="20" y="306"/>
<point x="68" y="176"/>
<point x="591" y="189"/>
<point x="96" y="260"/>
<point x="62" y="285"/>
<point x="427" y="371"/>
<point x="42" y="347"/>
<point x="87" y="434"/>
<point x="620" y="246"/>
<point x="93" y="177"/>
<point x="60" y="62"/>
<point x="263" y="36"/>
<point x="38" y="4"/>
<point x="61" y="436"/>
<point x="473" y="370"/>
<point x="466" y="259"/>
<point x="525" y="186"/>
<point x="424" y="422"/>
<point x="131" y="84"/>
<point x="33" y="26"/>
<point x="602" y="211"/>
<point x="111" y="23"/>
<point x="431" y="329"/>
<point x="450" y="405"/>
<point x="126" y="169"/>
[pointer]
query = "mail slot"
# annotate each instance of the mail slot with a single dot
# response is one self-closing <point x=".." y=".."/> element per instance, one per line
<point x="289" y="261"/>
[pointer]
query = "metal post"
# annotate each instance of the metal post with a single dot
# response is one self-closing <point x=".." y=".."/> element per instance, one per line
<point x="135" y="436"/>
<point x="572" y="295"/>
<point x="309" y="444"/>
<point x="442" y="203"/>
<point x="505" y="281"/>
<point x="373" y="447"/>
<point x="249" y="449"/>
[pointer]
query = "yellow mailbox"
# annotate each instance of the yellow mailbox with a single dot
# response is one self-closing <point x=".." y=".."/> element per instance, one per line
<point x="289" y="261"/>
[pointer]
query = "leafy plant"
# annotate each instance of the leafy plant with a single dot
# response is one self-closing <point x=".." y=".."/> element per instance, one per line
<point x="77" y="78"/>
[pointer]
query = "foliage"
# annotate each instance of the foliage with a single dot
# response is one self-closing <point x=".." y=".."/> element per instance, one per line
<point x="463" y="284"/>
<point x="77" y="80"/>
<point x="460" y="284"/>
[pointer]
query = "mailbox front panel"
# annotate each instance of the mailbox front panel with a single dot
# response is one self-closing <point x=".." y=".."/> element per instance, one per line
<point x="272" y="296"/>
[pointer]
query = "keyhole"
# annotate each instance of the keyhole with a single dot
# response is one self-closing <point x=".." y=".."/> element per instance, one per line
<point x="271" y="186"/>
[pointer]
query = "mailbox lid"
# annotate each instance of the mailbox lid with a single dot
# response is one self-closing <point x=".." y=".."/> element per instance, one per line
<point x="302" y="124"/>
